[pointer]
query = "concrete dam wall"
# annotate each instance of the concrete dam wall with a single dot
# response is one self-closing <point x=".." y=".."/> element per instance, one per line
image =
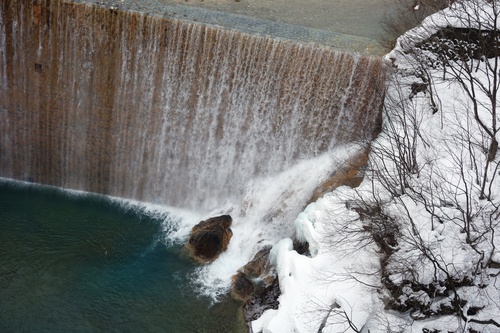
<point x="161" y="110"/>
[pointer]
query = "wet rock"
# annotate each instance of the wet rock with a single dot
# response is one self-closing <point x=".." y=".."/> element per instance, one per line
<point x="241" y="288"/>
<point x="418" y="87"/>
<point x="264" y="299"/>
<point x="255" y="274"/>
<point x="210" y="238"/>
<point x="259" y="265"/>
<point x="301" y="247"/>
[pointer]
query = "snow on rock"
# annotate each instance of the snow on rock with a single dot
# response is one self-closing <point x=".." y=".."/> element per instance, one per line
<point x="305" y="231"/>
<point x="317" y="291"/>
<point x="461" y="14"/>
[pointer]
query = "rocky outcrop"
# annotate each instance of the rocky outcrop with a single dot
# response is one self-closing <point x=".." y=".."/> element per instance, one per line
<point x="242" y="287"/>
<point x="252" y="277"/>
<point x="262" y="300"/>
<point x="257" y="285"/>
<point x="210" y="238"/>
<point x="350" y="174"/>
<point x="259" y="266"/>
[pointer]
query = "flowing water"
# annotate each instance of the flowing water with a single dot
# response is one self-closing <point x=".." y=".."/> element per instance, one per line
<point x="163" y="111"/>
<point x="181" y="114"/>
<point x="86" y="263"/>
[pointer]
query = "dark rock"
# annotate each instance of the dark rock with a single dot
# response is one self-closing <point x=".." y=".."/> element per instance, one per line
<point x="301" y="247"/>
<point x="473" y="310"/>
<point x="241" y="288"/>
<point x="461" y="44"/>
<point x="258" y="270"/>
<point x="259" y="265"/>
<point x="418" y="87"/>
<point x="494" y="264"/>
<point x="257" y="285"/>
<point x="210" y="238"/>
<point x="262" y="300"/>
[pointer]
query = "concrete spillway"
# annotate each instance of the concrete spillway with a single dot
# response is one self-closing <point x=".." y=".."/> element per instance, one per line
<point x="161" y="110"/>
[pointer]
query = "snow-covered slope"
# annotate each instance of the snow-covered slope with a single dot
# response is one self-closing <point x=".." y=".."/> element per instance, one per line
<point x="415" y="247"/>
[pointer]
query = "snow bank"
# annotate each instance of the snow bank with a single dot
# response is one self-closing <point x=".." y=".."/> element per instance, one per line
<point x="425" y="185"/>
<point x="328" y="289"/>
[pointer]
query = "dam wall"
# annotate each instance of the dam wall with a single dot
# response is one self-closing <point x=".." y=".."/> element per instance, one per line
<point x="156" y="109"/>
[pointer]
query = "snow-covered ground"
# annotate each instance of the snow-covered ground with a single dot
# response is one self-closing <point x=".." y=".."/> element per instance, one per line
<point x="415" y="247"/>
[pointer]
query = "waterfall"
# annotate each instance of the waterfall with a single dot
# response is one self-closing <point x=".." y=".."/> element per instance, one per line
<point x="165" y="111"/>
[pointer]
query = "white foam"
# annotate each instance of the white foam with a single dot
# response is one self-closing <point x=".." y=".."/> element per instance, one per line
<point x="265" y="216"/>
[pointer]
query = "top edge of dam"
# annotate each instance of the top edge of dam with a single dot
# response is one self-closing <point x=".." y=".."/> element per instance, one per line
<point x="246" y="24"/>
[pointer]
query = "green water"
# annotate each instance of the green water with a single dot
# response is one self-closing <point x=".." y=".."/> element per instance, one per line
<point x="83" y="263"/>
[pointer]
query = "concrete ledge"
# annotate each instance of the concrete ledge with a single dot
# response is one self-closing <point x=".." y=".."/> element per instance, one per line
<point x="247" y="24"/>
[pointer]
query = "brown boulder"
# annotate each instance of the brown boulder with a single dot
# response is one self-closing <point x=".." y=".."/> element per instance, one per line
<point x="252" y="277"/>
<point x="262" y="300"/>
<point x="210" y="238"/>
<point x="242" y="288"/>
<point x="259" y="265"/>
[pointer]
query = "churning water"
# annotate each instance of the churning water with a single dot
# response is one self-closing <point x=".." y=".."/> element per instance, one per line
<point x="86" y="263"/>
